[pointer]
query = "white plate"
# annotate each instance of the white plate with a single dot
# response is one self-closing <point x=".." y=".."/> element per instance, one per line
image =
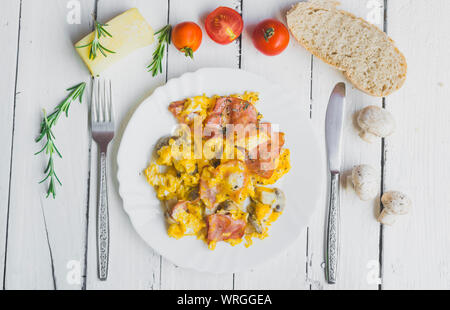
<point x="303" y="185"/>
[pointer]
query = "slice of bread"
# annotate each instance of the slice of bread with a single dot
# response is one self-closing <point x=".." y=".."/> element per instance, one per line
<point x="366" y="55"/>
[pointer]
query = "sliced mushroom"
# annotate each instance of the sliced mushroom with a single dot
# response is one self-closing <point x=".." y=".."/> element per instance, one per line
<point x="394" y="203"/>
<point x="375" y="122"/>
<point x="274" y="197"/>
<point x="194" y="194"/>
<point x="215" y="162"/>
<point x="195" y="171"/>
<point x="253" y="221"/>
<point x="227" y="206"/>
<point x="162" y="142"/>
<point x="365" y="182"/>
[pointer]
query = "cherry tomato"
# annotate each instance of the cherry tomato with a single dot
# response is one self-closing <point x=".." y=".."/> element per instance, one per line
<point x="270" y="37"/>
<point x="224" y="25"/>
<point x="187" y="37"/>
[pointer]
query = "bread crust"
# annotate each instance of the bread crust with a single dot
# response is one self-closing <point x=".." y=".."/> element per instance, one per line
<point x="331" y="5"/>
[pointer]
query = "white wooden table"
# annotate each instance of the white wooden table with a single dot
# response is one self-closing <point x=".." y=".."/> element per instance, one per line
<point x="50" y="244"/>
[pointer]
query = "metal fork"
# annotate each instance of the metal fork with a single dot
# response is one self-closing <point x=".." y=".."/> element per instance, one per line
<point x="102" y="127"/>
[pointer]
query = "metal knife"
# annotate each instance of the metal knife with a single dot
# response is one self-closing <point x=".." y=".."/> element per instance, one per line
<point x="334" y="124"/>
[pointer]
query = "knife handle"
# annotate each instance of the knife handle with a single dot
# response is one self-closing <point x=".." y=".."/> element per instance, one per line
<point x="332" y="230"/>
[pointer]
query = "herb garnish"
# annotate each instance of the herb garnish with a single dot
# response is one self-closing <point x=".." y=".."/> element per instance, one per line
<point x="164" y="35"/>
<point x="95" y="45"/>
<point x="46" y="132"/>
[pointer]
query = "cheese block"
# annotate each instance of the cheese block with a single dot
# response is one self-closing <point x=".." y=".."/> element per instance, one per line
<point x="130" y="31"/>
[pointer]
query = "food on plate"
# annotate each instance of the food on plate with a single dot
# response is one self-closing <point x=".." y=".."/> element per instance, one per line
<point x="394" y="203"/>
<point x="214" y="173"/>
<point x="187" y="37"/>
<point x="129" y="31"/>
<point x="267" y="204"/>
<point x="224" y="25"/>
<point x="365" y="181"/>
<point x="375" y="122"/>
<point x="366" y="55"/>
<point x="270" y="37"/>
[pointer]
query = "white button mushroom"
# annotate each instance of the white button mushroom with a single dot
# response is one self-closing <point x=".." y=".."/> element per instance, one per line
<point x="274" y="197"/>
<point x="394" y="203"/>
<point x="365" y="181"/>
<point x="236" y="180"/>
<point x="267" y="197"/>
<point x="375" y="122"/>
<point x="280" y="202"/>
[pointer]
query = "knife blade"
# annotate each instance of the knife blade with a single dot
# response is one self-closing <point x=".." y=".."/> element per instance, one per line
<point x="334" y="125"/>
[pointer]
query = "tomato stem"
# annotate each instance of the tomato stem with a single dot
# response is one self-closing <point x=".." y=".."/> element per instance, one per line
<point x="188" y="52"/>
<point x="268" y="33"/>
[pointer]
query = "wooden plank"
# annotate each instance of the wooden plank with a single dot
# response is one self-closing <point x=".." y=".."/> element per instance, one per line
<point x="46" y="236"/>
<point x="415" y="249"/>
<point x="133" y="264"/>
<point x="209" y="54"/>
<point x="292" y="69"/>
<point x="359" y="234"/>
<point x="9" y="32"/>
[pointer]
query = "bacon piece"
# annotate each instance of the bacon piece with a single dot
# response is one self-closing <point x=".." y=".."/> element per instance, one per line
<point x="229" y="110"/>
<point x="179" y="207"/>
<point x="262" y="160"/>
<point x="243" y="112"/>
<point x="224" y="227"/>
<point x="176" y="108"/>
<point x="208" y="194"/>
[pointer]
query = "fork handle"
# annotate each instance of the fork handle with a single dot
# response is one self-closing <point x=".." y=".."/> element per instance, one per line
<point x="102" y="222"/>
<point x="332" y="233"/>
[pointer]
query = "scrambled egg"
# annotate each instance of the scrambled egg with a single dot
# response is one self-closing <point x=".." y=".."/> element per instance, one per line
<point x="182" y="178"/>
<point x="188" y="222"/>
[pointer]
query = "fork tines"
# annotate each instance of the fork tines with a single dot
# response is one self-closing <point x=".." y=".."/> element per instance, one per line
<point x="102" y="107"/>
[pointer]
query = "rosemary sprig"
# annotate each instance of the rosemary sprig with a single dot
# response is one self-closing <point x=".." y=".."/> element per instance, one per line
<point x="46" y="132"/>
<point x="95" y="45"/>
<point x="164" y="35"/>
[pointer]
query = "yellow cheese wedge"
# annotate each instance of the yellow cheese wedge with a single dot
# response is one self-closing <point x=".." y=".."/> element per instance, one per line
<point x="130" y="31"/>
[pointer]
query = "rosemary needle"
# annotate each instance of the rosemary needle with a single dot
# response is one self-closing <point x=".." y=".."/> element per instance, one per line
<point x="158" y="55"/>
<point x="95" y="44"/>
<point x="46" y="133"/>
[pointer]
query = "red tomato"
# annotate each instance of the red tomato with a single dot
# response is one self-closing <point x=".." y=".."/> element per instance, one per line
<point x="270" y="37"/>
<point x="224" y="25"/>
<point x="187" y="37"/>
